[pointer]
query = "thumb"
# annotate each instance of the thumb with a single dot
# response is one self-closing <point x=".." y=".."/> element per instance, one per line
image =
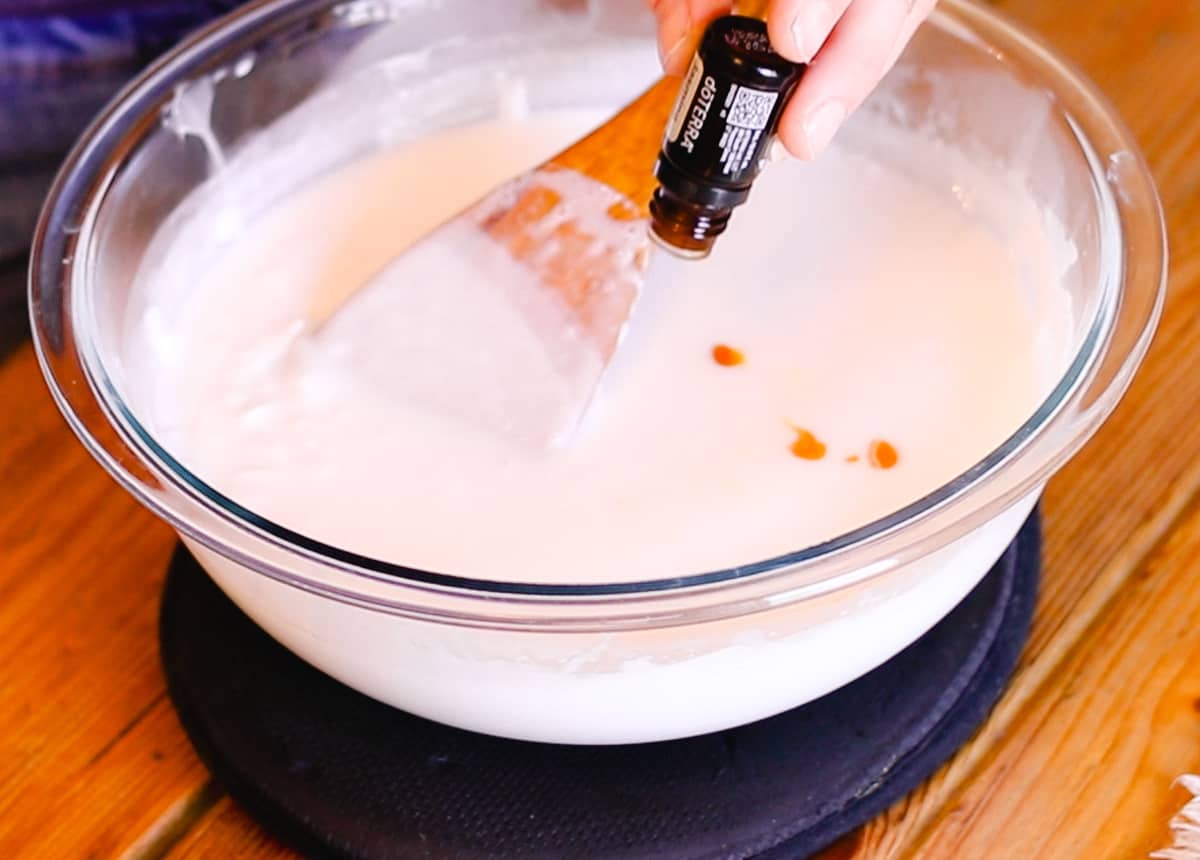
<point x="681" y="23"/>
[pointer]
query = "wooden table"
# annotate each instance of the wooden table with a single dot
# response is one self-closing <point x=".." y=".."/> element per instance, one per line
<point x="1077" y="760"/>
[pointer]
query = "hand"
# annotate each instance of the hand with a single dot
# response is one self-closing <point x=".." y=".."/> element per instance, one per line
<point x="849" y="44"/>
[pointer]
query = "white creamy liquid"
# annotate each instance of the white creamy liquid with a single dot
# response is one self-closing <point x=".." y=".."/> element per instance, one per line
<point x="869" y="304"/>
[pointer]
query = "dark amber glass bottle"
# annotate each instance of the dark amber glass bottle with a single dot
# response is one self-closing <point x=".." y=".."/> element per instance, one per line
<point x="715" y="143"/>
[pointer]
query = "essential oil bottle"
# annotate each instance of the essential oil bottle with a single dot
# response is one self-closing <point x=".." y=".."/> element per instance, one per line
<point x="716" y="141"/>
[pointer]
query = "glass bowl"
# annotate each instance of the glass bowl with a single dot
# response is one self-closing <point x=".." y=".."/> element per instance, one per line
<point x="623" y="661"/>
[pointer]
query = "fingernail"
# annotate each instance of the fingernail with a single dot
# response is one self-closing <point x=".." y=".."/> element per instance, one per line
<point x="811" y="27"/>
<point x="671" y="55"/>
<point x="821" y="125"/>
<point x="897" y="49"/>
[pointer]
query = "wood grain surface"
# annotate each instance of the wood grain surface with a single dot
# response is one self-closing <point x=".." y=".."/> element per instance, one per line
<point x="618" y="152"/>
<point x="1076" y="762"/>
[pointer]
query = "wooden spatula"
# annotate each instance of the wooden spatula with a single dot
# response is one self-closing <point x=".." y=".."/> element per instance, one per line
<point x="506" y="316"/>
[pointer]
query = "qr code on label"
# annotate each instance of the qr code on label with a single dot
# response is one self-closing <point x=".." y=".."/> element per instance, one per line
<point x="751" y="109"/>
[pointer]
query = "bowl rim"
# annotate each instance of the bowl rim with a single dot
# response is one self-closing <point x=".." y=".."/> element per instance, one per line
<point x="79" y="188"/>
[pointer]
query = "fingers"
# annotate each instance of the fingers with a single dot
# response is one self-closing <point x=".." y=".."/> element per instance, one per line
<point x="798" y="28"/>
<point x="681" y="23"/>
<point x="859" y="51"/>
<point x="920" y="11"/>
<point x="849" y="46"/>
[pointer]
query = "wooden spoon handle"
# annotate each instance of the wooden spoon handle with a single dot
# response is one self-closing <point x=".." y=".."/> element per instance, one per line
<point x="621" y="153"/>
<point x="751" y="8"/>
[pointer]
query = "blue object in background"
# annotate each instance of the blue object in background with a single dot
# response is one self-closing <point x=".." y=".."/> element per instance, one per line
<point x="60" y="62"/>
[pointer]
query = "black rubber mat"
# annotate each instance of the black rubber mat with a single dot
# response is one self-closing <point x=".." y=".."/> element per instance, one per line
<point x="337" y="774"/>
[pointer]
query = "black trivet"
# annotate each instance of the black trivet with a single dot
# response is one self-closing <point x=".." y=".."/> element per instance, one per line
<point x="339" y="775"/>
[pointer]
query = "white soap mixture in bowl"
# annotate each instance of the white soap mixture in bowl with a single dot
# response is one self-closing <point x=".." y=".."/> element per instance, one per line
<point x="873" y="309"/>
<point x="809" y="448"/>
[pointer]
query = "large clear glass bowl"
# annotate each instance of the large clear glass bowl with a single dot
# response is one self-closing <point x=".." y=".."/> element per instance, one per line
<point x="626" y="661"/>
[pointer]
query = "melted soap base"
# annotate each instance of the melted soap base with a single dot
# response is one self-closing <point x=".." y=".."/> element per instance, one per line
<point x="874" y="323"/>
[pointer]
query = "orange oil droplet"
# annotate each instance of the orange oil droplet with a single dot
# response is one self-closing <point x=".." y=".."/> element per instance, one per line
<point x="853" y="458"/>
<point x="727" y="356"/>
<point x="883" y="454"/>
<point x="807" y="446"/>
